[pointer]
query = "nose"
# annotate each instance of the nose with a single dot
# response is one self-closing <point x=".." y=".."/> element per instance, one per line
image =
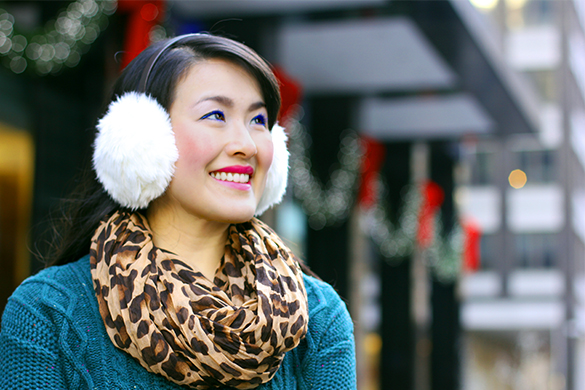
<point x="241" y="143"/>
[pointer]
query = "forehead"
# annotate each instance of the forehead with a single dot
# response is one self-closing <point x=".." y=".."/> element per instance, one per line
<point x="218" y="76"/>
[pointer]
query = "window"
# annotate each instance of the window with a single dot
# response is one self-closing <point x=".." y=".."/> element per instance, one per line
<point x="526" y="13"/>
<point x="545" y="83"/>
<point x="483" y="169"/>
<point x="539" y="165"/>
<point x="536" y="250"/>
<point x="488" y="249"/>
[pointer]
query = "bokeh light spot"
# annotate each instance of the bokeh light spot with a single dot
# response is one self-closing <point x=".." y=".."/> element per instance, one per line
<point x="149" y="12"/>
<point x="484" y="4"/>
<point x="515" y="4"/>
<point x="517" y="178"/>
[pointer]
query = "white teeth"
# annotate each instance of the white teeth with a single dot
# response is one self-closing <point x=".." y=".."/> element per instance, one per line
<point x="234" y="177"/>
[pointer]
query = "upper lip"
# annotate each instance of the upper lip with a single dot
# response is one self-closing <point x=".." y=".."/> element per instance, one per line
<point x="245" y="169"/>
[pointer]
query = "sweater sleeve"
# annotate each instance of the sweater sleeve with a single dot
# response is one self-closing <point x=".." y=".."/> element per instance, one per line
<point x="35" y="339"/>
<point x="329" y="361"/>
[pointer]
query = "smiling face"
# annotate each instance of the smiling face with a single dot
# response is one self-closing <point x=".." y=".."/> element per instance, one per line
<point x="225" y="147"/>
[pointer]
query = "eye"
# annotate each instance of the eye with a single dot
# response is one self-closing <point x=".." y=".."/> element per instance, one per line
<point x="260" y="120"/>
<point x="215" y="115"/>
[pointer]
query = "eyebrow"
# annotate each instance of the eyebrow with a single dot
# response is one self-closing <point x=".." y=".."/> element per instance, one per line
<point x="226" y="101"/>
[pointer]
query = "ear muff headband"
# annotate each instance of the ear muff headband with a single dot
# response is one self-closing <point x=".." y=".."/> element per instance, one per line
<point x="135" y="153"/>
<point x="152" y="60"/>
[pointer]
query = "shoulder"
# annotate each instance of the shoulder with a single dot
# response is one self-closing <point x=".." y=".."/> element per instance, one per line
<point x="322" y="297"/>
<point x="56" y="281"/>
<point x="325" y="308"/>
<point x="51" y="293"/>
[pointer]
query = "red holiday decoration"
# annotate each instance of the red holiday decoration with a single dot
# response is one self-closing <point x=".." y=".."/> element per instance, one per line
<point x="290" y="93"/>
<point x="471" y="246"/>
<point x="432" y="197"/>
<point x="374" y="155"/>
<point x="143" y="15"/>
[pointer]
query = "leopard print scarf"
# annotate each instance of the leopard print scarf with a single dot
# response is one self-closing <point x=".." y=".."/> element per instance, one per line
<point x="233" y="331"/>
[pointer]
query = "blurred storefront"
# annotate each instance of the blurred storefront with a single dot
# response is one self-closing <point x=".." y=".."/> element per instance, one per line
<point x="53" y="75"/>
<point x="405" y="119"/>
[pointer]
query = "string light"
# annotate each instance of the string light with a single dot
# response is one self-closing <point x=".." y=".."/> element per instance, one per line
<point x="330" y="204"/>
<point x="327" y="205"/>
<point x="62" y="41"/>
<point x="446" y="253"/>
<point x="395" y="243"/>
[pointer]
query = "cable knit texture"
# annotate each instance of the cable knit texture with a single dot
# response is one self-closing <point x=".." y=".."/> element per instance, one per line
<point x="53" y="337"/>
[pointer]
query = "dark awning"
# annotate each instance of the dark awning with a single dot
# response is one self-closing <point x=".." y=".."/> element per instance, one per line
<point x="426" y="57"/>
<point x="468" y="45"/>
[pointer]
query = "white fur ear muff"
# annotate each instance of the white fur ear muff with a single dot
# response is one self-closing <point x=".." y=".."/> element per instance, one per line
<point x="277" y="175"/>
<point x="134" y="152"/>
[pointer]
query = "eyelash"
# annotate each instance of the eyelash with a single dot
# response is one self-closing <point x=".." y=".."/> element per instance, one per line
<point x="219" y="116"/>
<point x="262" y="118"/>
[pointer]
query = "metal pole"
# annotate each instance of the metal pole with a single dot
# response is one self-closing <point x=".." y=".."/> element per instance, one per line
<point x="420" y="284"/>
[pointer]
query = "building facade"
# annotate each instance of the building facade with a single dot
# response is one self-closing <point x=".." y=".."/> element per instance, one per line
<point x="523" y="311"/>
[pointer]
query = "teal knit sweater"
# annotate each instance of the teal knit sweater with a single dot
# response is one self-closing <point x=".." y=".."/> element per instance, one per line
<point x="53" y="337"/>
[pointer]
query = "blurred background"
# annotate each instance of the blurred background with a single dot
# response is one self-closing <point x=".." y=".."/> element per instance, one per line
<point x="437" y="172"/>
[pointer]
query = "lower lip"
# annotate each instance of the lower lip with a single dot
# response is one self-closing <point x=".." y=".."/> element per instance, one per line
<point x="232" y="184"/>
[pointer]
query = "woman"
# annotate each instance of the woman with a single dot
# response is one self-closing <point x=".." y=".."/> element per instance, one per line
<point x="163" y="278"/>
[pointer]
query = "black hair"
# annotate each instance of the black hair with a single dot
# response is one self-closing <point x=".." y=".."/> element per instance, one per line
<point x="80" y="214"/>
<point x="174" y="63"/>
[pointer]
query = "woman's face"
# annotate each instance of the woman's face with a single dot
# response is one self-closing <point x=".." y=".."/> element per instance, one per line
<point x="225" y="147"/>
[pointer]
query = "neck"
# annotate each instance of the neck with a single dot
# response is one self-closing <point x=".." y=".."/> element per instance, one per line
<point x="198" y="242"/>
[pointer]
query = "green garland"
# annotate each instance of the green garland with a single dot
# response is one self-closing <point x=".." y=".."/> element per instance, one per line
<point x="445" y="255"/>
<point x="395" y="243"/>
<point x="61" y="42"/>
<point x="327" y="205"/>
<point x="330" y="204"/>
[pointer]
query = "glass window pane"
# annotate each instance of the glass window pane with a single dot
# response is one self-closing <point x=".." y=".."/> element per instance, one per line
<point x="536" y="250"/>
<point x="482" y="171"/>
<point x="539" y="165"/>
<point x="526" y="13"/>
<point x="487" y="250"/>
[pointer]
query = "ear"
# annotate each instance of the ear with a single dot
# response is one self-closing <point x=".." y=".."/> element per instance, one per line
<point x="277" y="176"/>
<point x="134" y="152"/>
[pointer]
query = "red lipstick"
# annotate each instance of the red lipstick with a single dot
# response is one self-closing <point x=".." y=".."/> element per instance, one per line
<point x="248" y="170"/>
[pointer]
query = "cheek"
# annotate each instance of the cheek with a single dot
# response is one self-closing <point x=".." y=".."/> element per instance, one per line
<point x="266" y="152"/>
<point x="193" y="151"/>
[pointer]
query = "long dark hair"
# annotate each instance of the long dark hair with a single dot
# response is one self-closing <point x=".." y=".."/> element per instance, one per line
<point x="80" y="214"/>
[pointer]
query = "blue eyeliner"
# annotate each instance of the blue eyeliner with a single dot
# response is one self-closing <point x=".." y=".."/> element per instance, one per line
<point x="262" y="117"/>
<point x="216" y="112"/>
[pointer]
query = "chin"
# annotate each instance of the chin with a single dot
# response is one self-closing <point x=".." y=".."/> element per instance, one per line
<point x="235" y="216"/>
<point x="239" y="220"/>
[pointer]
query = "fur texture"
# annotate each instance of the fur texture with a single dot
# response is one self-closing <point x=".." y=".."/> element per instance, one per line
<point x="135" y="152"/>
<point x="277" y="175"/>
